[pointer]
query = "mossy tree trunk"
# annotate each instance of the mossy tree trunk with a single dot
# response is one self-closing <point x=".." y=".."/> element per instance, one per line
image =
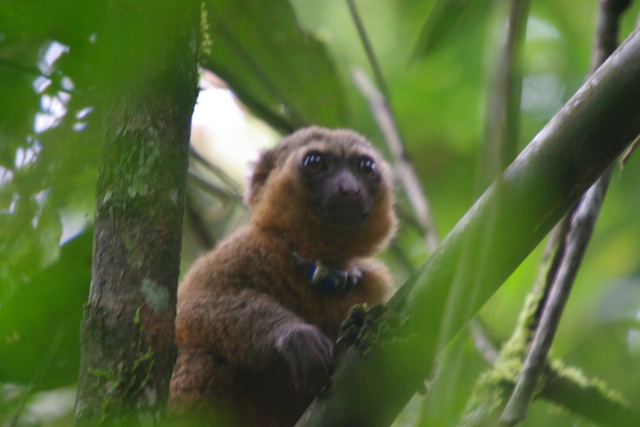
<point x="149" y="87"/>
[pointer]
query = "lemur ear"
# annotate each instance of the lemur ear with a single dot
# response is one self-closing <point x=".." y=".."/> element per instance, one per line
<point x="261" y="170"/>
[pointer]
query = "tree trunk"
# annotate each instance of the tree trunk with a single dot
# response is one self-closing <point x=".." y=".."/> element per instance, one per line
<point x="148" y="93"/>
<point x="487" y="245"/>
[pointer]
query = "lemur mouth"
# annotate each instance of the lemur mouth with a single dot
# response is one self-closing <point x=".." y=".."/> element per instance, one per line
<point x="344" y="214"/>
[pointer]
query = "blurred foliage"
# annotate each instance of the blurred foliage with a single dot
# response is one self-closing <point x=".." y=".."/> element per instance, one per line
<point x="48" y="156"/>
<point x="279" y="71"/>
<point x="39" y="322"/>
<point x="291" y="63"/>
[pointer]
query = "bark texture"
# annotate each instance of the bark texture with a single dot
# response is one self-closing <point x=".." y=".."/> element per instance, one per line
<point x="148" y="94"/>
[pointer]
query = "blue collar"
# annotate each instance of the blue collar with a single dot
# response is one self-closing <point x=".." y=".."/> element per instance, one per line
<point x="321" y="275"/>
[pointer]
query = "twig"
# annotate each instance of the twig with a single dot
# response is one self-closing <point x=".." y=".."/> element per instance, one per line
<point x="606" y="40"/>
<point x="25" y="68"/>
<point x="501" y="139"/>
<point x="42" y="369"/>
<point x="371" y="56"/>
<point x="402" y="166"/>
<point x="582" y="223"/>
<point x="503" y="113"/>
<point x="379" y="106"/>
<point x="232" y="188"/>
<point x="213" y="190"/>
<point x="483" y="344"/>
<point x="502" y="124"/>
<point x="569" y="388"/>
<point x="627" y="154"/>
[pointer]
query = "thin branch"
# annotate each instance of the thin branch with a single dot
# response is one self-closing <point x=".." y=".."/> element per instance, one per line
<point x="378" y="103"/>
<point x="503" y="112"/>
<point x="582" y="223"/>
<point x="570" y="389"/>
<point x="213" y="190"/>
<point x="199" y="226"/>
<point x="232" y="187"/>
<point x="228" y="193"/>
<point x="627" y="154"/>
<point x="606" y="40"/>
<point x="371" y="56"/>
<point x="483" y="344"/>
<point x="25" y="68"/>
<point x="502" y="123"/>
<point x="564" y="386"/>
<point x="402" y="166"/>
<point x="28" y="391"/>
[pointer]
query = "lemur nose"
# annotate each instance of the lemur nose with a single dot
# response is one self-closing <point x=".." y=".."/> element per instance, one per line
<point x="349" y="190"/>
<point x="348" y="185"/>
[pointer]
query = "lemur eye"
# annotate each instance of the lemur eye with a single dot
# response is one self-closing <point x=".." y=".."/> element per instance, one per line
<point x="367" y="167"/>
<point x="314" y="162"/>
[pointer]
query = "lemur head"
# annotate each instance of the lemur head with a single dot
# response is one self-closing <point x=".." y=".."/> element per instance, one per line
<point x="329" y="187"/>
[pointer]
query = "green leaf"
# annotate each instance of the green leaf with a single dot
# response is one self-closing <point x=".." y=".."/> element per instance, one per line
<point x="40" y="321"/>
<point x="448" y="20"/>
<point x="280" y="72"/>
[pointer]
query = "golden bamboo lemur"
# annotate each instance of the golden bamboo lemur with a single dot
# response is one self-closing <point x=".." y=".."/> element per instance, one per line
<point x="258" y="315"/>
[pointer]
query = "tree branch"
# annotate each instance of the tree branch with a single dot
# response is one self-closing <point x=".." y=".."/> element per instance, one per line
<point x="371" y="56"/>
<point x="582" y="223"/>
<point x="231" y="187"/>
<point x="401" y="165"/>
<point x="505" y="224"/>
<point x="379" y="105"/>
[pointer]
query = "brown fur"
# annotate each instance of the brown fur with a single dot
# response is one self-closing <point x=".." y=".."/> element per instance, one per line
<point x="240" y="301"/>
